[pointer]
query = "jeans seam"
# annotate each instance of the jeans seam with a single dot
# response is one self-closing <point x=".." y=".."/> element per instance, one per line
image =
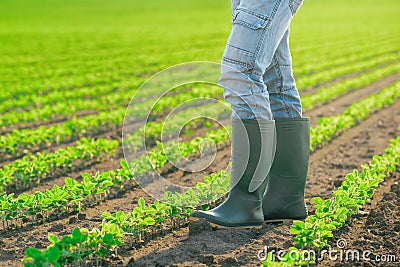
<point x="242" y="51"/>
<point x="261" y="41"/>
<point x="291" y="7"/>
<point x="285" y="106"/>
<point x="279" y="73"/>
<point x="288" y="88"/>
<point x="246" y="65"/>
<point x="261" y="16"/>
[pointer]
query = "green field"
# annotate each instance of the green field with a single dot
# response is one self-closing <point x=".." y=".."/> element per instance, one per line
<point x="68" y="70"/>
<point x="50" y="44"/>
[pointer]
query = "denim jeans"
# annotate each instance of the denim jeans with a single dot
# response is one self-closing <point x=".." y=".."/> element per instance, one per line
<point x="256" y="69"/>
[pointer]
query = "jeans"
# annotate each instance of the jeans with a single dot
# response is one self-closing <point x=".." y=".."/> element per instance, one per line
<point x="256" y="69"/>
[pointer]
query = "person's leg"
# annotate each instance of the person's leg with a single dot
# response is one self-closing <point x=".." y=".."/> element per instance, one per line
<point x="258" y="27"/>
<point x="281" y="85"/>
<point x="234" y="4"/>
<point x="257" y="30"/>
<point x="284" y="196"/>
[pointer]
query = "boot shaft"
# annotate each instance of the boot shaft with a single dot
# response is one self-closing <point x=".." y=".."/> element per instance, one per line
<point x="253" y="149"/>
<point x="284" y="196"/>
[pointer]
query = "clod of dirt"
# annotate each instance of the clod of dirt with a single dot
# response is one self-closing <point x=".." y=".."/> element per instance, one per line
<point x="230" y="261"/>
<point x="81" y="216"/>
<point x="53" y="217"/>
<point x="72" y="220"/>
<point x="287" y="244"/>
<point x="198" y="226"/>
<point x="395" y="188"/>
<point x="96" y="218"/>
<point x="396" y="227"/>
<point x="40" y="244"/>
<point x="337" y="183"/>
<point x="56" y="228"/>
<point x="206" y="259"/>
<point x="388" y="244"/>
<point x="131" y="262"/>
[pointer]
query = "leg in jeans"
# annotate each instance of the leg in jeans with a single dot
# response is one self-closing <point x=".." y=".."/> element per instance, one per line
<point x="234" y="4"/>
<point x="258" y="28"/>
<point x="284" y="196"/>
<point x="283" y="94"/>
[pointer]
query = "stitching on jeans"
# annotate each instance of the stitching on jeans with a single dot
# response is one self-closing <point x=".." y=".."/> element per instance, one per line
<point x="250" y="66"/>
<point x="249" y="25"/>
<point x="243" y="51"/>
<point x="288" y="88"/>
<point x="261" y="41"/>
<point x="236" y="62"/>
<point x="279" y="73"/>
<point x="284" y="105"/>
<point x="261" y="16"/>
<point x="292" y="8"/>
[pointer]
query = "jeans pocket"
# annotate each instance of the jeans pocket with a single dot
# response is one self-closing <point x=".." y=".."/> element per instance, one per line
<point x="248" y="30"/>
<point x="294" y="5"/>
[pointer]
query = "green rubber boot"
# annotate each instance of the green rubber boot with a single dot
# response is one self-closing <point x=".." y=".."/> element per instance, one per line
<point x="253" y="144"/>
<point x="284" y="196"/>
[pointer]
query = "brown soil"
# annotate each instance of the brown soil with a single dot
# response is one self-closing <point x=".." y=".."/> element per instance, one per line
<point x="126" y="200"/>
<point x="232" y="247"/>
<point x="227" y="247"/>
<point x="335" y="66"/>
<point x="220" y="162"/>
<point x="115" y="133"/>
<point x="57" y="120"/>
<point x="376" y="230"/>
<point x="313" y="89"/>
<point x="223" y="247"/>
<point x="338" y="105"/>
<point x="112" y="133"/>
<point x="111" y="163"/>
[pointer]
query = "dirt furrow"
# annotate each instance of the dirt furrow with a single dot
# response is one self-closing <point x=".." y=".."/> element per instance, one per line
<point x="313" y="89"/>
<point x="113" y="163"/>
<point x="332" y="108"/>
<point x="330" y="162"/>
<point x="338" y="105"/>
<point x="115" y="133"/>
<point x="376" y="230"/>
<point x="33" y="236"/>
<point x="328" y="167"/>
<point x="110" y="164"/>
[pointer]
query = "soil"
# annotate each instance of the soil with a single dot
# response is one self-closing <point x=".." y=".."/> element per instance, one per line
<point x="232" y="247"/>
<point x="53" y="121"/>
<point x="338" y="105"/>
<point x="316" y="87"/>
<point x="376" y="230"/>
<point x="109" y="164"/>
<point x="327" y="170"/>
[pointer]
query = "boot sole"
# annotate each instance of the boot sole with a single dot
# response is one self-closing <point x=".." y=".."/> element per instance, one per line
<point x="281" y="221"/>
<point x="218" y="226"/>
